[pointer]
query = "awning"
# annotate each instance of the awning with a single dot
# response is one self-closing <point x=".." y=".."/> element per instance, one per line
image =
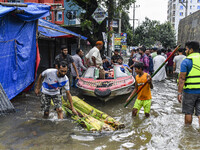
<point x="52" y="30"/>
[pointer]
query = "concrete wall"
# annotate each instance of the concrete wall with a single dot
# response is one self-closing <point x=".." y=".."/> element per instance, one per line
<point x="189" y="29"/>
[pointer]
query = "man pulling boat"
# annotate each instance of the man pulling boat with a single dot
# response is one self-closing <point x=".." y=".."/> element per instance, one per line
<point x="52" y="80"/>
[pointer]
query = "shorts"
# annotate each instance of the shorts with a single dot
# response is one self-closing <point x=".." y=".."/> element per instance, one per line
<point x="191" y="102"/>
<point x="146" y="104"/>
<point x="46" y="102"/>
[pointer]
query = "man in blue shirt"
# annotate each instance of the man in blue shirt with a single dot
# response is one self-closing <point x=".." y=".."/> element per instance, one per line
<point x="189" y="82"/>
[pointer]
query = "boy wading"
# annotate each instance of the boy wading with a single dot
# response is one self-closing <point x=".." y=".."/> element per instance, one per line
<point x="144" y="96"/>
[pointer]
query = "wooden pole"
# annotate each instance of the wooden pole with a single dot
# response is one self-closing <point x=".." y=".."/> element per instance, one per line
<point x="13" y="4"/>
<point x="79" y="42"/>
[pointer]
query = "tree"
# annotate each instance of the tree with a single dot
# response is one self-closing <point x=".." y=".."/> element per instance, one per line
<point x="90" y="27"/>
<point x="152" y="31"/>
<point x="146" y="33"/>
<point x="126" y="27"/>
<point x="167" y="35"/>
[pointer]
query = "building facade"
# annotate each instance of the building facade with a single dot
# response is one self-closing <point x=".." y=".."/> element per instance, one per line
<point x="178" y="9"/>
<point x="72" y="13"/>
<point x="62" y="12"/>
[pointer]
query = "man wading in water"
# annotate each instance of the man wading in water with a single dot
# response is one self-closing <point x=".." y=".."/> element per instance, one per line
<point x="144" y="96"/>
<point x="189" y="82"/>
<point x="52" y="80"/>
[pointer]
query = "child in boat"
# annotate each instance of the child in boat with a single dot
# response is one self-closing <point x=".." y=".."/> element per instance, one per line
<point x="144" y="96"/>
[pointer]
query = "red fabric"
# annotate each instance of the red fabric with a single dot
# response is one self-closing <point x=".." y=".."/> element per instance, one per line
<point x="64" y="36"/>
<point x="37" y="59"/>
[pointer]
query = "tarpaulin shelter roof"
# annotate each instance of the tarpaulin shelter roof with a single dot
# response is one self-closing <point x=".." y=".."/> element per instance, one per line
<point x="52" y="30"/>
<point x="18" y="53"/>
<point x="33" y="11"/>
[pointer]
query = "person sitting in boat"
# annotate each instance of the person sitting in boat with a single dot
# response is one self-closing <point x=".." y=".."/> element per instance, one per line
<point x="106" y="64"/>
<point x="115" y="57"/>
<point x="120" y="62"/>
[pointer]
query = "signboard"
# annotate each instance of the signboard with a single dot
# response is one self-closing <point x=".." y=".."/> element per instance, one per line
<point x="117" y="41"/>
<point x="123" y="41"/>
<point x="99" y="14"/>
<point x="124" y="46"/>
<point x="123" y="37"/>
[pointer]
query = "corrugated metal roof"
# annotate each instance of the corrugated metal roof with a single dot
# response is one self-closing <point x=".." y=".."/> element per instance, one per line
<point x="5" y="105"/>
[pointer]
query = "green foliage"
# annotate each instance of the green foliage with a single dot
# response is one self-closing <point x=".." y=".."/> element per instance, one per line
<point x="93" y="30"/>
<point x="86" y="24"/>
<point x="125" y="21"/>
<point x="129" y="36"/>
<point x="167" y="35"/>
<point x="126" y="27"/>
<point x="125" y="4"/>
<point x="152" y="31"/>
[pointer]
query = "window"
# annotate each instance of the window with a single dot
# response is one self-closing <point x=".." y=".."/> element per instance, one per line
<point x="59" y="16"/>
<point x="181" y="7"/>
<point x="174" y="13"/>
<point x="198" y="7"/>
<point x="198" y="1"/>
<point x="181" y="13"/>
<point x="190" y="1"/>
<point x="174" y="6"/>
<point x="49" y="17"/>
<point x="173" y="20"/>
<point x="71" y="14"/>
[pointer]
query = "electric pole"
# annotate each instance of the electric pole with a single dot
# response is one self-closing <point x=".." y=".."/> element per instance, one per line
<point x="133" y="17"/>
<point x="185" y="4"/>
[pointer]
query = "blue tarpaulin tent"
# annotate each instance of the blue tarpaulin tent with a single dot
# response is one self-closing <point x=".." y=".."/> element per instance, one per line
<point x="18" y="46"/>
<point x="52" y="30"/>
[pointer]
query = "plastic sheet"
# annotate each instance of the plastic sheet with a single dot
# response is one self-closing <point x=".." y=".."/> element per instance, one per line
<point x="18" y="47"/>
<point x="52" y="30"/>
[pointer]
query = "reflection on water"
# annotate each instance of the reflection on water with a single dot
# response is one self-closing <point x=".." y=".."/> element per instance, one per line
<point x="164" y="129"/>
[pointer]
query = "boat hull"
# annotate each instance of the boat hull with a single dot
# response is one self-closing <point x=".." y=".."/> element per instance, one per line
<point x="117" y="92"/>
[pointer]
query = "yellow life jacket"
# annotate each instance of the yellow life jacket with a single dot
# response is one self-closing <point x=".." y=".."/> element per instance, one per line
<point x="193" y="78"/>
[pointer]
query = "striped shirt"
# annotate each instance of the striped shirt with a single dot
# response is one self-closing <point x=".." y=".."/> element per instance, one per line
<point x="52" y="83"/>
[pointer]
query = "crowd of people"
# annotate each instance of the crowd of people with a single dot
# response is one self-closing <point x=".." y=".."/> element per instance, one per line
<point x="152" y="58"/>
<point x="142" y="63"/>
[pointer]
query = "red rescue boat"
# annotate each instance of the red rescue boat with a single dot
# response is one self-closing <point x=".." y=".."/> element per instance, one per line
<point x="119" y="82"/>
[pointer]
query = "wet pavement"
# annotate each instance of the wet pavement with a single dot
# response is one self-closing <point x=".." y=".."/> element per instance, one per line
<point x="164" y="129"/>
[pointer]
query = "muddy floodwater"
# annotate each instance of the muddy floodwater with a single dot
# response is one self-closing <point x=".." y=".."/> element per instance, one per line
<point x="164" y="129"/>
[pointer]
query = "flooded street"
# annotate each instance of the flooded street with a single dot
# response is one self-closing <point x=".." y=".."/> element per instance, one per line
<point x="164" y="129"/>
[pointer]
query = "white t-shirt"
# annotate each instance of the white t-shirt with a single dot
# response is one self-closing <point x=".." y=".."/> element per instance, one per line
<point x="178" y="59"/>
<point x="95" y="53"/>
<point x="52" y="83"/>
